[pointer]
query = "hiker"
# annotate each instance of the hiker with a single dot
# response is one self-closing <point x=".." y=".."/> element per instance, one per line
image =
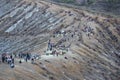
<point x="6" y="57"/>
<point x="12" y="60"/>
<point x="3" y="58"/>
<point x="11" y="56"/>
<point x="26" y="58"/>
<point x="49" y="42"/>
<point x="9" y="60"/>
<point x="57" y="53"/>
<point x="32" y="60"/>
<point x="20" y="61"/>
<point x="49" y="45"/>
<point x="20" y="55"/>
<point x="0" y="59"/>
<point x="65" y="57"/>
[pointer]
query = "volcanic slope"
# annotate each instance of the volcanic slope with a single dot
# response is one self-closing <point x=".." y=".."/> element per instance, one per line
<point x="91" y="41"/>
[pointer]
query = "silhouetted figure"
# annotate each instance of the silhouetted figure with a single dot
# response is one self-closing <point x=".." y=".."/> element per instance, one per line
<point x="20" y="55"/>
<point x="28" y="56"/>
<point x="9" y="60"/>
<point x="66" y="58"/>
<point x="11" y="56"/>
<point x="57" y="53"/>
<point x="20" y="61"/>
<point x="12" y="60"/>
<point x="26" y="59"/>
<point x="49" y="45"/>
<point x="32" y="60"/>
<point x="3" y="58"/>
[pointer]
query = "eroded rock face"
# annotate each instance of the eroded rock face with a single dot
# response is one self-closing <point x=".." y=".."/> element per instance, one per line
<point x="93" y="41"/>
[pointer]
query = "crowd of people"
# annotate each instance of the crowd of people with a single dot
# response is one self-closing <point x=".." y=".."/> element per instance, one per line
<point x="89" y="31"/>
<point x="10" y="58"/>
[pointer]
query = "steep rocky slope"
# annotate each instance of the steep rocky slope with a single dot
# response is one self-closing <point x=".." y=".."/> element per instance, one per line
<point x="101" y="6"/>
<point x="92" y="41"/>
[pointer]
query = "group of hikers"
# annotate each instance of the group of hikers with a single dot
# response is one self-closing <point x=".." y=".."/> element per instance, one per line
<point x="89" y="31"/>
<point x="26" y="57"/>
<point x="55" y="49"/>
<point x="10" y="58"/>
